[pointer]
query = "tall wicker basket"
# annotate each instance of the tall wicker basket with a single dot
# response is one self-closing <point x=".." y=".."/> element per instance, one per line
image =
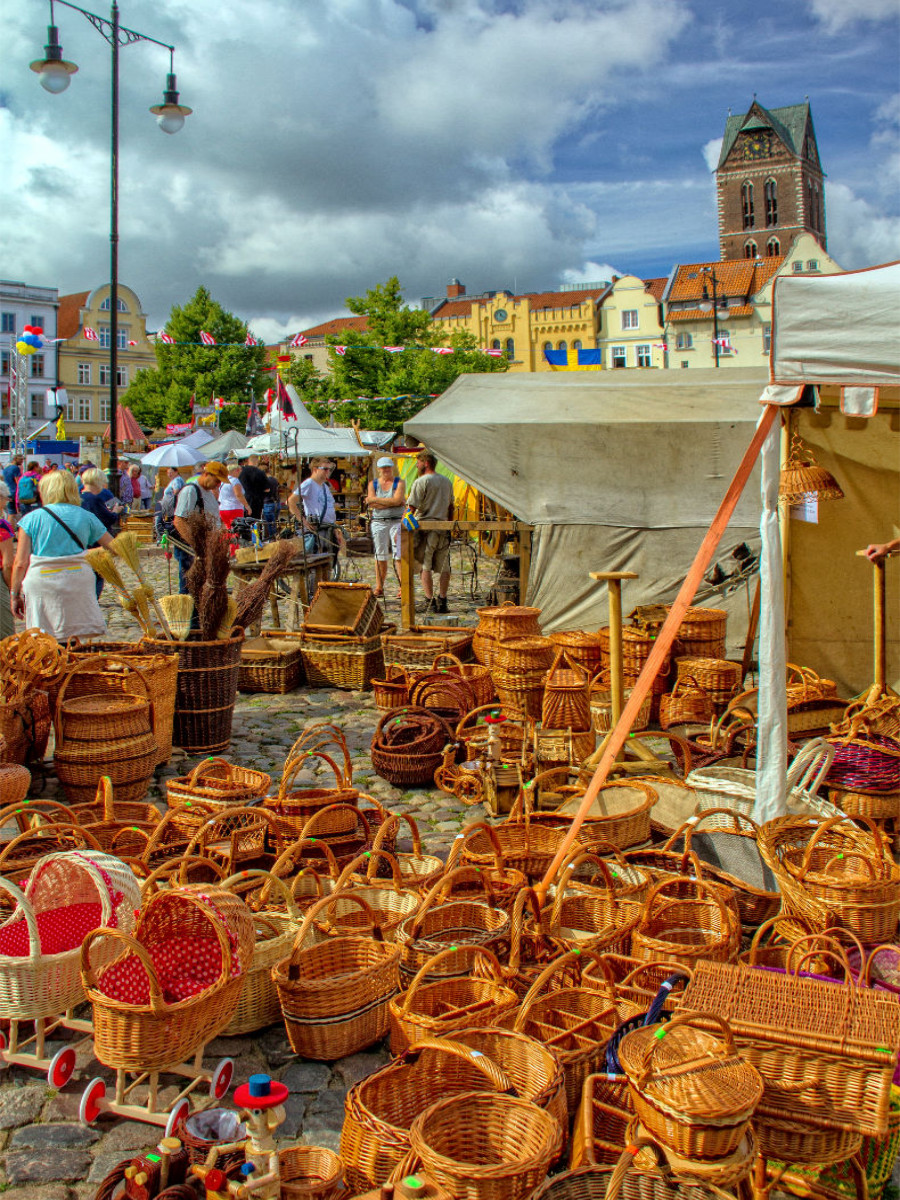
<point x="207" y="688"/>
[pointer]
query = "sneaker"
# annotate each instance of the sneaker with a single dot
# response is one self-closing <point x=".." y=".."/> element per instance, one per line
<point x="440" y="604"/>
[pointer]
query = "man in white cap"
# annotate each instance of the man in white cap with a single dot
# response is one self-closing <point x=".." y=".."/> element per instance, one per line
<point x="386" y="499"/>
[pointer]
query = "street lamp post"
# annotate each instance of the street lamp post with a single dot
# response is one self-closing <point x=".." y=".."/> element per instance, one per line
<point x="55" y="76"/>
<point x="706" y="304"/>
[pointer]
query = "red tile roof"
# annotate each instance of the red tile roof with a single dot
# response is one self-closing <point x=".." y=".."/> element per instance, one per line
<point x="68" y="320"/>
<point x="336" y="326"/>
<point x="697" y="314"/>
<point x="734" y="277"/>
<point x="453" y="308"/>
<point x="539" y="300"/>
<point x="656" y="287"/>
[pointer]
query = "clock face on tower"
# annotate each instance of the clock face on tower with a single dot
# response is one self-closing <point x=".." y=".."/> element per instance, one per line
<point x="757" y="145"/>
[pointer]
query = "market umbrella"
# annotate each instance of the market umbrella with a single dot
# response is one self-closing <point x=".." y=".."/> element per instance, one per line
<point x="172" y="454"/>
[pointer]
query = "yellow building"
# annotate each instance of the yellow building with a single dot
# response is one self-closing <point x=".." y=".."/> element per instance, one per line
<point x="630" y="329"/>
<point x="84" y="363"/>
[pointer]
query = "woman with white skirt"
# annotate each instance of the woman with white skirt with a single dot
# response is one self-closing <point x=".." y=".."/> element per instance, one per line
<point x="53" y="586"/>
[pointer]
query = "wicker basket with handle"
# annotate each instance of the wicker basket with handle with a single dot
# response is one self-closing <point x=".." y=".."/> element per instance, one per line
<point x="392" y="691"/>
<point x="685" y="931"/>
<point x="217" y="782"/>
<point x="567" y="700"/>
<point x="477" y="676"/>
<point x="687" y="704"/>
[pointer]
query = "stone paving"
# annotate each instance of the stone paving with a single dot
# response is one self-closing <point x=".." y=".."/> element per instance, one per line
<point x="45" y="1153"/>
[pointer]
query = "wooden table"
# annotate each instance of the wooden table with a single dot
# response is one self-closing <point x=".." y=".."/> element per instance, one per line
<point x="297" y="572"/>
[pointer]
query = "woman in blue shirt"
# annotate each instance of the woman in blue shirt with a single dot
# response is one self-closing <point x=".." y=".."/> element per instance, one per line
<point x="52" y="585"/>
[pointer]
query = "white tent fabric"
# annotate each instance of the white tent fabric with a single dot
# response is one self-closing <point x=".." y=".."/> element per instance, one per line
<point x="836" y="329"/>
<point x="220" y="446"/>
<point x="275" y="421"/>
<point x="340" y="443"/>
<point x="200" y="437"/>
<point x="615" y="470"/>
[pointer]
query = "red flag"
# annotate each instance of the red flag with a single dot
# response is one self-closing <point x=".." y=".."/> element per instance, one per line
<point x="299" y="340"/>
<point x="207" y="338"/>
<point x="250" y="340"/>
<point x="131" y="343"/>
<point x="167" y="338"/>
<point x="269" y="397"/>
<point x="340" y="350"/>
<point x="284" y="401"/>
<point x="90" y="335"/>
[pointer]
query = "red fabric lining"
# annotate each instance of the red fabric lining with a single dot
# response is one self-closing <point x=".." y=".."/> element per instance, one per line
<point x="59" y="930"/>
<point x="184" y="967"/>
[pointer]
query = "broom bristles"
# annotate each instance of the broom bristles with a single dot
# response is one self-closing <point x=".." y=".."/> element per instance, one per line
<point x="125" y="546"/>
<point x="102" y="562"/>
<point x="179" y="610"/>
<point x="228" y="619"/>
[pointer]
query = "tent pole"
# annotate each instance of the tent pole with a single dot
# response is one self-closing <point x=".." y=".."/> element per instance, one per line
<point x="663" y="643"/>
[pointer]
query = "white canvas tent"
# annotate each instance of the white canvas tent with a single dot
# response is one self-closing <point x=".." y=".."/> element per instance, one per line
<point x="303" y="436"/>
<point x="616" y="470"/>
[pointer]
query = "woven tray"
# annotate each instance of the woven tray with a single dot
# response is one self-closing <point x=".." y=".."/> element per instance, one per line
<point x="418" y="648"/>
<point x="345" y="608"/>
<point x="271" y="662"/>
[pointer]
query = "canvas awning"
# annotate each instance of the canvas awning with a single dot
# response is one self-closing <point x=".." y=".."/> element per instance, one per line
<point x="127" y="428"/>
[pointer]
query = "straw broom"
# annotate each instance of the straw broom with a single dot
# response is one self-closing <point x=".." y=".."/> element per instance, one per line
<point x="228" y="619"/>
<point x="179" y="610"/>
<point x="125" y="545"/>
<point x="102" y="562"/>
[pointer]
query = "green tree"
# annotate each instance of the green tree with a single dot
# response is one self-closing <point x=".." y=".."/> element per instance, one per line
<point x="189" y="368"/>
<point x="395" y="384"/>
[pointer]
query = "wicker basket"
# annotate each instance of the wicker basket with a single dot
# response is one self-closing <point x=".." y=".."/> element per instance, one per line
<point x="599" y="1132"/>
<point x="206" y="690"/>
<point x="567" y="702"/>
<point x="690" y="1088"/>
<point x="686" y="931"/>
<point x="478" y="677"/>
<point x="687" y="704"/>
<point x="271" y="662"/>
<point x="390" y="902"/>
<point x="505" y="882"/>
<point x="481" y="1146"/>
<point x="417" y="648"/>
<point x="620" y="813"/>
<point x="311" y="1173"/>
<point x="701" y="633"/>
<point x="417" y="869"/>
<point x="150" y="1018"/>
<point x="719" y="678"/>
<point x="585" y="649"/>
<point x="25" y="728"/>
<point x="342" y="661"/>
<point x="524" y="654"/>
<point x="502" y="621"/>
<point x="349" y="609"/>
<point x="448" y="695"/>
<point x="334" y="995"/>
<point x="392" y="691"/>
<point x="112" y="823"/>
<point x="407" y="747"/>
<point x="592" y="918"/>
<point x="217" y="782"/>
<point x="527" y="845"/>
<point x="601" y="708"/>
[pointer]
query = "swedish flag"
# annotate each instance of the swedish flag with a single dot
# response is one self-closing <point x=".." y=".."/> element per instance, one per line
<point x="581" y="360"/>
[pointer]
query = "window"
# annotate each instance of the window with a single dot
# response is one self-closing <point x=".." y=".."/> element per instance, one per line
<point x="37" y="366"/>
<point x="7" y="322"/>
<point x="510" y="349"/>
<point x="495" y="344"/>
<point x="773" y="248"/>
<point x="38" y="320"/>
<point x="121" y="306"/>
<point x="725" y="346"/>
<point x="684" y="341"/>
<point x="308" y="357"/>
<point x="548" y="346"/>
<point x="122" y="376"/>
<point x="798" y="268"/>
<point x="71" y="406"/>
<point x="84" y="373"/>
<point x="561" y="345"/>
<point x="747" y="205"/>
<point x="576" y="345"/>
<point x="751" y="250"/>
<point x="643" y="356"/>
<point x="684" y="363"/>
<point x="84" y="408"/>
<point x="121" y="337"/>
<point x="812" y="265"/>
<point x="37" y="404"/>
<point x="619" y="358"/>
<point x="104" y="375"/>
<point x="771" y="192"/>
<point x="104" y="408"/>
<point x="4" y="362"/>
<point x="767" y="338"/>
<point x="630" y="318"/>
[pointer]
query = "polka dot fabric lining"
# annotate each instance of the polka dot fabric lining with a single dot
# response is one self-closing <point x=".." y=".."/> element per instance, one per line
<point x="59" y="929"/>
<point x="185" y="967"/>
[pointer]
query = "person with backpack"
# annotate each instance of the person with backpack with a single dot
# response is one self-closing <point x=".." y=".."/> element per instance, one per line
<point x="53" y="586"/>
<point x="386" y="500"/>
<point x="95" y="496"/>
<point x="202" y="496"/>
<point x="163" y="521"/>
<point x="28" y="496"/>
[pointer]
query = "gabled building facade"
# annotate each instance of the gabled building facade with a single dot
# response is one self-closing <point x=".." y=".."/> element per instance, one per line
<point x="84" y="363"/>
<point x="630" y="331"/>
<point x="769" y="182"/>
<point x="24" y="304"/>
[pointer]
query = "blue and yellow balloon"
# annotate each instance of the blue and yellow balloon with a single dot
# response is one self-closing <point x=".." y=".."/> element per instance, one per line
<point x="31" y="340"/>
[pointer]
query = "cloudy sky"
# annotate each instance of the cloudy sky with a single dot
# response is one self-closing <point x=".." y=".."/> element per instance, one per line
<point x="509" y="143"/>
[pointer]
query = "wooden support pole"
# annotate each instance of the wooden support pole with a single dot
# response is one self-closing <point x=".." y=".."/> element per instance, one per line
<point x="407" y="581"/>
<point x="666" y="637"/>
<point x="524" y="563"/>
<point x="879" y="642"/>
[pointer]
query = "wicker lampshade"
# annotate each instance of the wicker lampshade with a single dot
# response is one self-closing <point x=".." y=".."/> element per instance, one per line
<point x="801" y="476"/>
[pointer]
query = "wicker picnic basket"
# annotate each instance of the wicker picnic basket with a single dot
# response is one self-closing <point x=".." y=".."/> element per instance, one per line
<point x="407" y="746"/>
<point x="335" y="660"/>
<point x="178" y="982"/>
<point x="67" y="894"/>
<point x="481" y="1146"/>
<point x="826" y="1052"/>
<point x="274" y="929"/>
<point x="417" y="648"/>
<point x="690" y="1088"/>
<point x="271" y="662"/>
<point x="502" y="621"/>
<point x="392" y="691"/>
<point x="334" y="995"/>
<point x="719" y="678"/>
<point x="701" y="633"/>
<point x="442" y="922"/>
<point x="478" y="677"/>
<point x="217" y="782"/>
<point x="105" y="734"/>
<point x="684" y="930"/>
<point x="835" y="864"/>
<point x="445" y="1006"/>
<point x="206" y="690"/>
<point x="105" y="676"/>
<point x="311" y="1173"/>
<point x="688" y="703"/>
<point x="567" y="701"/>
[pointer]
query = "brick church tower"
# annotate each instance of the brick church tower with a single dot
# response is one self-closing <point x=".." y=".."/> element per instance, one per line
<point x="769" y="181"/>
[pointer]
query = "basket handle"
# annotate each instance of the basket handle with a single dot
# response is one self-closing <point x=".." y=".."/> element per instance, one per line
<point x="811" y="765"/>
<point x="77" y="832"/>
<point x="30" y="814"/>
<point x="438" y="889"/>
<point x="317" y="816"/>
<point x="90" y="664"/>
<point x="525" y="895"/>
<point x="672" y="968"/>
<point x="468" y="951"/>
<point x="296" y="764"/>
<point x="666" y="884"/>
<point x="460" y="840"/>
<point x="179" y="866"/>
<point x="369" y="859"/>
<point x="242" y="877"/>
<point x="311" y="873"/>
<point x="311" y="914"/>
<point x="866" y="966"/>
<point x="827" y="946"/>
<point x="574" y="958"/>
<point x="757" y="940"/>
<point x="575" y="861"/>
<point x="392" y="826"/>
<point x="328" y="735"/>
<point x="89" y="978"/>
<point x="105" y="797"/>
<point x="453" y="659"/>
<point x="605" y="849"/>
<point x="496" y="1078"/>
<point x="24" y="904"/>
<point x="288" y="857"/>
<point x="826" y="827"/>
<point x="206" y="765"/>
<point x="691" y="826"/>
<point x="685" y="1018"/>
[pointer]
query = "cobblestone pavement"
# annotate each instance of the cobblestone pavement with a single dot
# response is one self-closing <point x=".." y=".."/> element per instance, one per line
<point x="45" y="1153"/>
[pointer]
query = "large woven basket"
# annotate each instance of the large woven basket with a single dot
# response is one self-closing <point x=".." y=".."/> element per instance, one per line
<point x="417" y="648"/>
<point x="582" y="647"/>
<point x="567" y="701"/>
<point x="342" y="660"/>
<point x="701" y="633"/>
<point x="217" y="782"/>
<point x="334" y="995"/>
<point x="502" y="621"/>
<point x="685" y="931"/>
<point x="206" y="690"/>
<point x="137" y="1025"/>
<point x="350" y="609"/>
<point x="271" y="662"/>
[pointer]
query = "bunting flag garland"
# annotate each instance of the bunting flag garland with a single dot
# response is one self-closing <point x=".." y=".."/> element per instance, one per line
<point x="299" y="340"/>
<point x="207" y="338"/>
<point x="132" y="343"/>
<point x="342" y="350"/>
<point x="167" y="338"/>
<point x="395" y="349"/>
<point x="250" y="340"/>
<point x="441" y="349"/>
<point x="660" y="346"/>
<point x="724" y="343"/>
<point x="90" y="335"/>
<point x="493" y="353"/>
